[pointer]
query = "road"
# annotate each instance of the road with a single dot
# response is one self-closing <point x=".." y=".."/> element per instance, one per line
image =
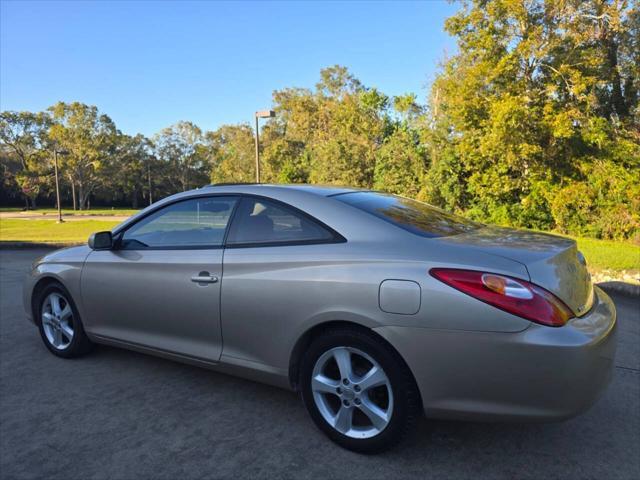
<point x="122" y="415"/>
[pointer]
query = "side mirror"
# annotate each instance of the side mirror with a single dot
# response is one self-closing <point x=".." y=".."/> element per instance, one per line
<point x="101" y="241"/>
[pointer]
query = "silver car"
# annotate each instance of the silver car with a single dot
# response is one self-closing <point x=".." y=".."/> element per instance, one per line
<point x="374" y="307"/>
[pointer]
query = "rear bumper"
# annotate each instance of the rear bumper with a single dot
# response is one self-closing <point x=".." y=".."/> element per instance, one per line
<point x="539" y="374"/>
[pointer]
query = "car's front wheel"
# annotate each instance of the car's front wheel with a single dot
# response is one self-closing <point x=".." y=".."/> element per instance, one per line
<point x="59" y="323"/>
<point x="357" y="390"/>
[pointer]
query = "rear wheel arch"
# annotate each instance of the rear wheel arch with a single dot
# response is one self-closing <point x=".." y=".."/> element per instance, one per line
<point x="335" y="410"/>
<point x="308" y="336"/>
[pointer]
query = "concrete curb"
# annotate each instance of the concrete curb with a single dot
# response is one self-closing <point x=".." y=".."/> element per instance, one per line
<point x="623" y="288"/>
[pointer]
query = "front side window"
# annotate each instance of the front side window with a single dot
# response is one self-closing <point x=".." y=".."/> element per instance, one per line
<point x="195" y="223"/>
<point x="411" y="215"/>
<point x="260" y="221"/>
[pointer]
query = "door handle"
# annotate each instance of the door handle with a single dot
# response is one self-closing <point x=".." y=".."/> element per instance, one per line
<point x="203" y="278"/>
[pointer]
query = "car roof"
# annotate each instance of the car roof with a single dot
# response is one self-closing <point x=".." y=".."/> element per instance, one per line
<point x="320" y="190"/>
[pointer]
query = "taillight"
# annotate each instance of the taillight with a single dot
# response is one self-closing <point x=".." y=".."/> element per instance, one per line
<point x="512" y="295"/>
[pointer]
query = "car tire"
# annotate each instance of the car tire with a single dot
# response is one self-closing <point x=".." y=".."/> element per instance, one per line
<point x="368" y="412"/>
<point x="59" y="323"/>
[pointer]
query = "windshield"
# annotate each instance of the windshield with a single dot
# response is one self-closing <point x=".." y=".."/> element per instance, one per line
<point x="411" y="215"/>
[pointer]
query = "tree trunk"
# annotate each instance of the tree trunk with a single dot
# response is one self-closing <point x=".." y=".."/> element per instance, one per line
<point x="149" y="184"/>
<point x="73" y="193"/>
<point x="134" y="199"/>
<point x="617" y="100"/>
<point x="82" y="198"/>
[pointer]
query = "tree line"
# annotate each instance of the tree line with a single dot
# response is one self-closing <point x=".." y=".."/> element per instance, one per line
<point x="534" y="122"/>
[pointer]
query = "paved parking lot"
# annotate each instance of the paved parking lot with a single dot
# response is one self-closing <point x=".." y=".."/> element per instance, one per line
<point x="123" y="415"/>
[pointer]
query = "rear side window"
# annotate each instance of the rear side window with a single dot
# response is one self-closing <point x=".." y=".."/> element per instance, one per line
<point x="259" y="221"/>
<point x="411" y="215"/>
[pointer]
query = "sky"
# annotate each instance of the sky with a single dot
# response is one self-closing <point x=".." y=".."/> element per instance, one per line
<point x="149" y="64"/>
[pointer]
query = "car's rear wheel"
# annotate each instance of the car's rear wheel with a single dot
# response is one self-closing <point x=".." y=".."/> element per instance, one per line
<point x="357" y="390"/>
<point x="59" y="323"/>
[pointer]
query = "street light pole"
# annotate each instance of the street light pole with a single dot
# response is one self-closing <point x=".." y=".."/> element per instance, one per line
<point x="55" y="167"/>
<point x="260" y="114"/>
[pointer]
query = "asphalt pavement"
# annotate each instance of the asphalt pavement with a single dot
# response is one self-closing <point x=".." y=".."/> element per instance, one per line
<point x="123" y="415"/>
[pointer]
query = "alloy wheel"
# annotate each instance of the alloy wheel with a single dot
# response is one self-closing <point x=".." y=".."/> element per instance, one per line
<point x="352" y="392"/>
<point x="57" y="321"/>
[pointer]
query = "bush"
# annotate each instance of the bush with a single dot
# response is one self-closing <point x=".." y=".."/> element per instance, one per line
<point x="604" y="205"/>
<point x="573" y="208"/>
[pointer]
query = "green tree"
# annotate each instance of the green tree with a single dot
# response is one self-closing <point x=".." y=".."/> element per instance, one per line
<point x="538" y="92"/>
<point x="402" y="161"/>
<point x="181" y="149"/>
<point x="329" y="135"/>
<point x="231" y="150"/>
<point x="352" y="121"/>
<point x="23" y="136"/>
<point x="90" y="139"/>
<point x="283" y="159"/>
<point x="132" y="170"/>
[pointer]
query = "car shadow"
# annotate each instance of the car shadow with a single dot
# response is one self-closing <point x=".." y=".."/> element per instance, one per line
<point x="453" y="448"/>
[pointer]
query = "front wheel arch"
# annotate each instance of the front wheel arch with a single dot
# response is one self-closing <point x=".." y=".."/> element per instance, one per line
<point x="79" y="344"/>
<point x="40" y="285"/>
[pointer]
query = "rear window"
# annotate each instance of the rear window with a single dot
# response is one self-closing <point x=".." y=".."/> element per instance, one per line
<point x="411" y="215"/>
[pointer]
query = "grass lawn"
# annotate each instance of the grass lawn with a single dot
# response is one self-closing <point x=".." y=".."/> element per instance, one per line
<point x="48" y="231"/>
<point x="66" y="211"/>
<point x="609" y="254"/>
<point x="601" y="254"/>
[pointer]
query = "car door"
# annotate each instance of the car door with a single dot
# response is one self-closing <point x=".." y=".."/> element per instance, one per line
<point x="278" y="264"/>
<point x="160" y="286"/>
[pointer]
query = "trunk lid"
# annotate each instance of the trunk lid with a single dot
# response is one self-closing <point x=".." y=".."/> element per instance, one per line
<point x="553" y="262"/>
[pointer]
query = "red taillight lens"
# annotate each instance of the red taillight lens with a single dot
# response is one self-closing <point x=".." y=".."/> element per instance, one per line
<point x="512" y="295"/>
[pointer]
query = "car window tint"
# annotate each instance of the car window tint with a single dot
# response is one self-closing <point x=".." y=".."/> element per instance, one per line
<point x="199" y="222"/>
<point x="411" y="215"/>
<point x="261" y="221"/>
